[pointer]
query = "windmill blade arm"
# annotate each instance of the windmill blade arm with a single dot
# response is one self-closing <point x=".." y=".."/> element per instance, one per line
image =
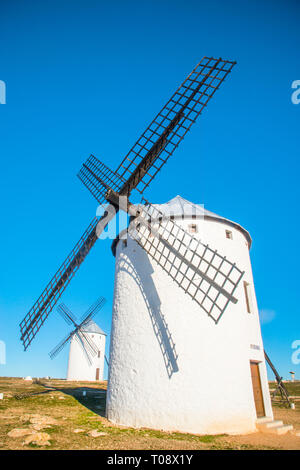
<point x="66" y="314"/>
<point x="196" y="270"/>
<point x="55" y="351"/>
<point x="277" y="376"/>
<point x="91" y="345"/>
<point x="99" y="182"/>
<point x="155" y="146"/>
<point x="87" y="344"/>
<point x="169" y="127"/>
<point x="209" y="278"/>
<point x="39" y="312"/>
<point x="279" y="381"/>
<point x="97" y="178"/>
<point x="93" y="310"/>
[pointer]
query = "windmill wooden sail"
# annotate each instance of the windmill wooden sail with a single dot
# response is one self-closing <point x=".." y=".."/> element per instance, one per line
<point x="136" y="171"/>
<point x="199" y="270"/>
<point x="88" y="346"/>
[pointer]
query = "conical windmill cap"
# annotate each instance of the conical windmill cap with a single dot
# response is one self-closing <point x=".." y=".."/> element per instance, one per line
<point x="179" y="207"/>
<point x="92" y="327"/>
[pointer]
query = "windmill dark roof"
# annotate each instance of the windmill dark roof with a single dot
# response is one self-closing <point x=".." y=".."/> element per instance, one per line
<point x="178" y="206"/>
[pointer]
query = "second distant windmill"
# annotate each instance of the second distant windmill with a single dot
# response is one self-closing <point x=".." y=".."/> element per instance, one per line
<point x="87" y="344"/>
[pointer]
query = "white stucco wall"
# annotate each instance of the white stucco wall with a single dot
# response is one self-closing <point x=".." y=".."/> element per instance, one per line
<point x="78" y="366"/>
<point x="171" y="366"/>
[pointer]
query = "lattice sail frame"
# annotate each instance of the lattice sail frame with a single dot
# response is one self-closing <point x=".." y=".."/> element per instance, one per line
<point x="89" y="346"/>
<point x="150" y="152"/>
<point x="60" y="346"/>
<point x="66" y="314"/>
<point x="158" y="142"/>
<point x="189" y="99"/>
<point x="206" y="276"/>
<point x="40" y="310"/>
<point x="92" y="172"/>
<point x="93" y="310"/>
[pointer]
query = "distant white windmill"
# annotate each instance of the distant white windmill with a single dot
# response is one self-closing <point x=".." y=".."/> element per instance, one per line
<point x="87" y="344"/>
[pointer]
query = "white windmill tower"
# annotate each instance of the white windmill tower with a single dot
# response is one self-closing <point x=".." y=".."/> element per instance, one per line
<point x="82" y="365"/>
<point x="186" y="342"/>
<point x="87" y="345"/>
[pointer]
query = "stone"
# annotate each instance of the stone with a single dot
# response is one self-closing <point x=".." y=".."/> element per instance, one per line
<point x="39" y="427"/>
<point x="25" y="417"/>
<point x="39" y="438"/>
<point x="96" y="433"/>
<point x="43" y="420"/>
<point x="78" y="430"/>
<point x="17" y="432"/>
<point x="39" y="422"/>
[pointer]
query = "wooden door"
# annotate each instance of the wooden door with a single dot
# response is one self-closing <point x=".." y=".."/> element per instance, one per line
<point x="257" y="390"/>
<point x="97" y="373"/>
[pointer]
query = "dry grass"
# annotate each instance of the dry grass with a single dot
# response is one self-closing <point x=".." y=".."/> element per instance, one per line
<point x="65" y="404"/>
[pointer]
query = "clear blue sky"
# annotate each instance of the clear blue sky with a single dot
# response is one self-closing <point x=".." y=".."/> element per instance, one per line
<point x="87" y="77"/>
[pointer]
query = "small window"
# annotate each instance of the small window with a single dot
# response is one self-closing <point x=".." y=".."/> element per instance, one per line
<point x="98" y="353"/>
<point x="124" y="243"/>
<point x="229" y="234"/>
<point x="248" y="296"/>
<point x="193" y="228"/>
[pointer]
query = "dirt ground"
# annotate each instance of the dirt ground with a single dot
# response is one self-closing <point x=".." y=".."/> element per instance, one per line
<point x="285" y="442"/>
<point x="56" y="414"/>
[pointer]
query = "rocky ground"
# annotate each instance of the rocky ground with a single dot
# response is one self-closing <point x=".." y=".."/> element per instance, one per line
<point x="55" y="414"/>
